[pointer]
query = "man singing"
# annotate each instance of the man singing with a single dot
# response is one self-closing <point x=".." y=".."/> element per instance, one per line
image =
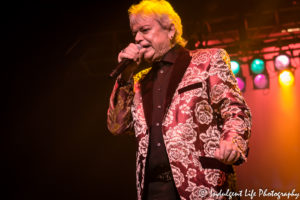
<point x="190" y="120"/>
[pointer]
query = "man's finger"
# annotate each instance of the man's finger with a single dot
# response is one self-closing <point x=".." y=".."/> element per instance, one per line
<point x="222" y="151"/>
<point x="141" y="54"/>
<point x="238" y="155"/>
<point x="229" y="152"/>
<point x="217" y="154"/>
<point x="232" y="157"/>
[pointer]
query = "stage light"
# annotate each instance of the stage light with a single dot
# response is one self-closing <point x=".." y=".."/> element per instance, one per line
<point x="281" y="62"/>
<point x="286" y="78"/>
<point x="282" y="65"/>
<point x="261" y="81"/>
<point x="241" y="83"/>
<point x="235" y="67"/>
<point x="259" y="73"/>
<point x="237" y="71"/>
<point x="257" y="66"/>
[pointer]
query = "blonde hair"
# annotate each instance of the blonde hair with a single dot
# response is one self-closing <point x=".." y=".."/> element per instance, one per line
<point x="165" y="14"/>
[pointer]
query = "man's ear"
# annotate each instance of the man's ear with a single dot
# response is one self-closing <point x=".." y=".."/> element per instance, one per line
<point x="172" y="32"/>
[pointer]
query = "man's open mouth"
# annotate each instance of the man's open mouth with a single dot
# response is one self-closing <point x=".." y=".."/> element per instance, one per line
<point x="146" y="46"/>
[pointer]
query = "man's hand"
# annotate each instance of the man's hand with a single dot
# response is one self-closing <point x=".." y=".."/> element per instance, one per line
<point x="132" y="52"/>
<point x="227" y="153"/>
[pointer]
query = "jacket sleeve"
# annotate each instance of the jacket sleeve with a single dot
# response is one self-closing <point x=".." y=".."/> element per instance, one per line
<point x="119" y="118"/>
<point x="228" y="102"/>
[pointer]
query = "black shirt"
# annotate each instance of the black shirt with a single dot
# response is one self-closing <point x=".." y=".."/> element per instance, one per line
<point x="161" y="72"/>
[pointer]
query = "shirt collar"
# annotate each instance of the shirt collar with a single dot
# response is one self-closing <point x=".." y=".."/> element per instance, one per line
<point x="168" y="58"/>
<point x="171" y="55"/>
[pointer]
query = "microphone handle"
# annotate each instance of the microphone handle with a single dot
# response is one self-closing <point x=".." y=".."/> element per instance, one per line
<point x="120" y="68"/>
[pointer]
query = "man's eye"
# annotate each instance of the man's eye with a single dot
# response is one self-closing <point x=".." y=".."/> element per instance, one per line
<point x="145" y="30"/>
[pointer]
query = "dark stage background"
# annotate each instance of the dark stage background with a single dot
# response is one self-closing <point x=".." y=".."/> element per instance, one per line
<point x="58" y="55"/>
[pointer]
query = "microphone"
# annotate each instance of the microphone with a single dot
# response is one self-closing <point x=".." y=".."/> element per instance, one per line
<point x="122" y="65"/>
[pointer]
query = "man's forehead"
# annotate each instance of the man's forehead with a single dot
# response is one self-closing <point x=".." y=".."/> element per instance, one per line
<point x="139" y="20"/>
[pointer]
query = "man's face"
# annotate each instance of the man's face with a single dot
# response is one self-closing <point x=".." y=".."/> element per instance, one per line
<point x="151" y="36"/>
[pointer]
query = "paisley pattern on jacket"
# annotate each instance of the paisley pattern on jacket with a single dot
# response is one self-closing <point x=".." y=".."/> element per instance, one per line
<point x="207" y="107"/>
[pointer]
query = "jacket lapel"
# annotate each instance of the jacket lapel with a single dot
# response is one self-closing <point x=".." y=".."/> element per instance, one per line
<point x="182" y="62"/>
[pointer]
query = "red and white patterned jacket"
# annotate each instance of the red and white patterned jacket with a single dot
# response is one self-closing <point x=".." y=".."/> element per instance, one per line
<point x="204" y="106"/>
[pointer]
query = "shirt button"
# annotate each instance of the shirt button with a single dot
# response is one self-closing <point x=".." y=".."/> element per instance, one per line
<point x="159" y="106"/>
<point x="161" y="71"/>
<point x="158" y="89"/>
<point x="157" y="124"/>
<point x="158" y="144"/>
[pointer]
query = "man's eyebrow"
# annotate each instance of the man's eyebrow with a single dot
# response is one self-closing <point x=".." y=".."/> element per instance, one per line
<point x="139" y="28"/>
<point x="145" y="26"/>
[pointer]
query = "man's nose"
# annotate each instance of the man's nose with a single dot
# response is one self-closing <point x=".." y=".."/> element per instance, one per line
<point x="138" y="37"/>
